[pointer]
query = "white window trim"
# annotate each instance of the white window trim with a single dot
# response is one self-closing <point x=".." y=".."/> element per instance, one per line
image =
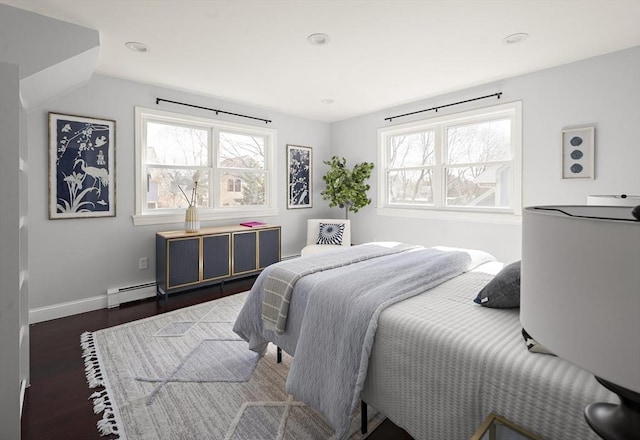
<point x="510" y="215"/>
<point x="143" y="217"/>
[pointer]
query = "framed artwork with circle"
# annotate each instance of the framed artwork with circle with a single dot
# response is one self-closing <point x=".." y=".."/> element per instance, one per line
<point x="577" y="153"/>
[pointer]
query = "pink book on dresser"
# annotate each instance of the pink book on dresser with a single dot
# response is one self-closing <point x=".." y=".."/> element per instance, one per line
<point x="252" y="224"/>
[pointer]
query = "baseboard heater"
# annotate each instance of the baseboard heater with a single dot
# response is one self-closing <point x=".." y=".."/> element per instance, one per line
<point x="121" y="295"/>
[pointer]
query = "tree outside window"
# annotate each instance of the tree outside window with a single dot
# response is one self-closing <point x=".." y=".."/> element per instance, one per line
<point x="463" y="161"/>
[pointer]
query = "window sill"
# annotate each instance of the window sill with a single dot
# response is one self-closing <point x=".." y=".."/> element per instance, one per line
<point x="162" y="219"/>
<point x="465" y="216"/>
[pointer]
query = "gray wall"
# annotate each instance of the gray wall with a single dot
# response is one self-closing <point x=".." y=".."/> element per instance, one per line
<point x="603" y="92"/>
<point x="75" y="261"/>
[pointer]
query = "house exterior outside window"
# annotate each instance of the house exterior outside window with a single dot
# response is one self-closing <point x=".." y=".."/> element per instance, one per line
<point x="467" y="162"/>
<point x="232" y="163"/>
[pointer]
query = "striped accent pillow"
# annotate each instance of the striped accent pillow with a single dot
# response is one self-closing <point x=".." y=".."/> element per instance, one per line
<point x="330" y="233"/>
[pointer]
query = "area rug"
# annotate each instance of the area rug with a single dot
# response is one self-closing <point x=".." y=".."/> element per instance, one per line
<point x="186" y="375"/>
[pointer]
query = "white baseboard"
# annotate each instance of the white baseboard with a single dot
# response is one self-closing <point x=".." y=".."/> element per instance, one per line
<point x="113" y="298"/>
<point x="47" y="313"/>
<point x="23" y="390"/>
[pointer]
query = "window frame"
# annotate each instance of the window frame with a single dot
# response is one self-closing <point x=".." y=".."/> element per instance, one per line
<point x="145" y="216"/>
<point x="512" y="111"/>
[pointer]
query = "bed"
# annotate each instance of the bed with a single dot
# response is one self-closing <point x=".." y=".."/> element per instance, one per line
<point x="437" y="364"/>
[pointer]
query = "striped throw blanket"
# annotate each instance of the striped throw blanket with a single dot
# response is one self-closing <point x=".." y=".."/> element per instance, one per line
<point x="284" y="275"/>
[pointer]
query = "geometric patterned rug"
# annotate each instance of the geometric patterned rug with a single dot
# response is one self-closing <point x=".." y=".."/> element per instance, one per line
<point x="185" y="375"/>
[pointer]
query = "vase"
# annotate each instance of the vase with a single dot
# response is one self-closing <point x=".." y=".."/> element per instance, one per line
<point x="191" y="221"/>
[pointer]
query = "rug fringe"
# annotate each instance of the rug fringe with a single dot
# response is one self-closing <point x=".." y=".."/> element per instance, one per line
<point x="101" y="399"/>
<point x="91" y="363"/>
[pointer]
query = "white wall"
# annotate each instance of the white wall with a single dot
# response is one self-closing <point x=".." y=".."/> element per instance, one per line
<point x="603" y="92"/>
<point x="75" y="261"/>
<point x="10" y="355"/>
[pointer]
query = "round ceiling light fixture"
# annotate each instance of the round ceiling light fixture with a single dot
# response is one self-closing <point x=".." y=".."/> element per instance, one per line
<point x="515" y="38"/>
<point x="318" y="39"/>
<point x="327" y="101"/>
<point x="137" y="47"/>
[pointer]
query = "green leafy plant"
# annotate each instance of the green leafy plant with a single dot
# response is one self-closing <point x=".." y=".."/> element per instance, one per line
<point x="347" y="188"/>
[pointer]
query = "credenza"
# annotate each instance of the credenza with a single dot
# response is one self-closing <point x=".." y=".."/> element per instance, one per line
<point x="188" y="260"/>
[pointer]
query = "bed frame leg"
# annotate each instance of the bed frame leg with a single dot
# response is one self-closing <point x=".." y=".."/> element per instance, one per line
<point x="279" y="355"/>
<point x="363" y="417"/>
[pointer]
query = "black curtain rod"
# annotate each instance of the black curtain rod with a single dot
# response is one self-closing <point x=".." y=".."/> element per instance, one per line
<point x="443" y="106"/>
<point x="266" y="121"/>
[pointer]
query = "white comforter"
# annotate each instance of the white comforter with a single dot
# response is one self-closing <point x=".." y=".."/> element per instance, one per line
<point x="340" y="319"/>
<point x="441" y="363"/>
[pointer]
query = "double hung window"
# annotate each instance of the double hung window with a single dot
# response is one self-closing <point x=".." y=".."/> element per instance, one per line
<point x="463" y="162"/>
<point x="225" y="169"/>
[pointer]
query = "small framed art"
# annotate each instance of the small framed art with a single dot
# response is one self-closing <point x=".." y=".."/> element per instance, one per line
<point x="81" y="167"/>
<point x="300" y="177"/>
<point x="577" y="153"/>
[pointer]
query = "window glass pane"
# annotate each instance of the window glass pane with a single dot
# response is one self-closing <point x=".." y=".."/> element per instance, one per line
<point x="241" y="151"/>
<point x="412" y="150"/>
<point x="164" y="188"/>
<point x="480" y="186"/>
<point x="249" y="188"/>
<point x="411" y="186"/>
<point x="483" y="142"/>
<point x="175" y="145"/>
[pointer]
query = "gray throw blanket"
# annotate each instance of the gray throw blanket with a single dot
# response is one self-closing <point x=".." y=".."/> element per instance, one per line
<point x="283" y="277"/>
<point x="337" y="334"/>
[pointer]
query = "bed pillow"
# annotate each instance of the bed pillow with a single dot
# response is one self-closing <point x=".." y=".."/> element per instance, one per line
<point x="503" y="291"/>
<point x="534" y="346"/>
<point x="330" y="233"/>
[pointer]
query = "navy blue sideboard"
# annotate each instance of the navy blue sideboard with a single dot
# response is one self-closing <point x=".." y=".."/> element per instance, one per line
<point x="188" y="260"/>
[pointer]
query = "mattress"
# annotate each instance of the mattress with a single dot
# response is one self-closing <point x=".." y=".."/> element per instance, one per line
<point x="441" y="363"/>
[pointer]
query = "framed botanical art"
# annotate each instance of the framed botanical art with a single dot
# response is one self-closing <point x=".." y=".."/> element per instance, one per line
<point x="300" y="177"/>
<point x="577" y="153"/>
<point x="81" y="167"/>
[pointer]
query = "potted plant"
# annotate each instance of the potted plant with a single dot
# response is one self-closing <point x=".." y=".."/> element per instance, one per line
<point x="347" y="188"/>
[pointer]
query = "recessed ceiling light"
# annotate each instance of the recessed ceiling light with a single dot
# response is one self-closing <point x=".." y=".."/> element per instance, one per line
<point x="137" y="47"/>
<point x="327" y="101"/>
<point x="515" y="38"/>
<point x="318" y="39"/>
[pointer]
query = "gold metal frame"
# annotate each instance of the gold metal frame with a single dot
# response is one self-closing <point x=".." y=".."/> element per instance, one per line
<point x="201" y="261"/>
<point x="233" y="245"/>
<point x="168" y="260"/>
<point x="489" y="425"/>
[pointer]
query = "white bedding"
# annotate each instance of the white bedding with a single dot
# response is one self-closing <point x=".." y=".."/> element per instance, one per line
<point x="441" y="363"/>
<point x="340" y="308"/>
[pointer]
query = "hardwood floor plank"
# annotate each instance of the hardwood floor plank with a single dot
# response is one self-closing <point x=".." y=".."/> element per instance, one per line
<point x="57" y="404"/>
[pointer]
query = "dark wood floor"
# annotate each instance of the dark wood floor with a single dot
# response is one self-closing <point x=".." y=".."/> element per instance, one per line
<point x="57" y="404"/>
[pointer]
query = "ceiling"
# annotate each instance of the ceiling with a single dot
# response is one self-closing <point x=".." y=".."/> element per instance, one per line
<point x="380" y="53"/>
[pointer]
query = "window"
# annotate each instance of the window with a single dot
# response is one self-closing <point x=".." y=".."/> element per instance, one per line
<point x="234" y="185"/>
<point x="232" y="163"/>
<point x="463" y="162"/>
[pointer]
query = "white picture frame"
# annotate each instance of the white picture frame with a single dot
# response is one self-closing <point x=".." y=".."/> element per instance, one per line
<point x="299" y="177"/>
<point x="81" y="167"/>
<point x="578" y="160"/>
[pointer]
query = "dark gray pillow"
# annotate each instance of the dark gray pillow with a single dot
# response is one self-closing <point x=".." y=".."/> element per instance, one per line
<point x="503" y="291"/>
